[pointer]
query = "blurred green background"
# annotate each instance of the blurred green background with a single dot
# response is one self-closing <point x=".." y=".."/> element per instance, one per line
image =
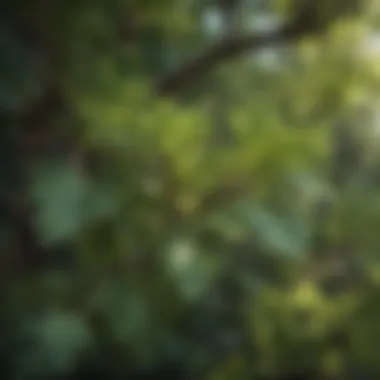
<point x="218" y="220"/>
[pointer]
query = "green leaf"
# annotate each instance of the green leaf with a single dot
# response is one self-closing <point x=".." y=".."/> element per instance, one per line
<point x="125" y="309"/>
<point x="59" y="190"/>
<point x="192" y="271"/>
<point x="282" y="235"/>
<point x="57" y="338"/>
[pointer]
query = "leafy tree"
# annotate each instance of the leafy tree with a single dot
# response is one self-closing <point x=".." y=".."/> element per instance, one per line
<point x="178" y="213"/>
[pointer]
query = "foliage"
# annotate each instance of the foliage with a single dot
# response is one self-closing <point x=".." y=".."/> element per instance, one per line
<point x="137" y="242"/>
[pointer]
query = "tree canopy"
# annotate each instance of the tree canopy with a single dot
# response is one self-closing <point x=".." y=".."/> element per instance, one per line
<point x="189" y="189"/>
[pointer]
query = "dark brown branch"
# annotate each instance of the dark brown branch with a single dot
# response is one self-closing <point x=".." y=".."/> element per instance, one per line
<point x="192" y="71"/>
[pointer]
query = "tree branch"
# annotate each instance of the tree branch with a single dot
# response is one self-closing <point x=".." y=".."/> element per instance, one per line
<point x="189" y="73"/>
